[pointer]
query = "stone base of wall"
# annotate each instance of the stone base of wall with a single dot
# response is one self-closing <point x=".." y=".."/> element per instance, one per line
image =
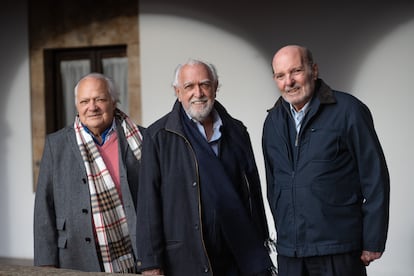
<point x="16" y="270"/>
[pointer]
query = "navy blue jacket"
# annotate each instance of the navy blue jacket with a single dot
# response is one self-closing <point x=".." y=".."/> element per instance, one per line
<point x="169" y="225"/>
<point x="328" y="187"/>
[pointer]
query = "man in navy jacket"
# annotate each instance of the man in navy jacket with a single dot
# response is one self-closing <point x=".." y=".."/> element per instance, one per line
<point x="200" y="208"/>
<point x="328" y="182"/>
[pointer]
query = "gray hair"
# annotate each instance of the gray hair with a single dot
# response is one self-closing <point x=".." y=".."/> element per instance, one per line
<point x="308" y="56"/>
<point x="210" y="68"/>
<point x="110" y="85"/>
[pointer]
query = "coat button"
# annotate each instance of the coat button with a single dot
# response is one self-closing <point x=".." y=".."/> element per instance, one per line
<point x="196" y="226"/>
<point x="194" y="184"/>
<point x="84" y="180"/>
<point x="206" y="269"/>
<point x="85" y="211"/>
<point x="88" y="240"/>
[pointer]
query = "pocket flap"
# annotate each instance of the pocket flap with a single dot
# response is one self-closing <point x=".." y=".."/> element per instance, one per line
<point x="62" y="242"/>
<point x="60" y="223"/>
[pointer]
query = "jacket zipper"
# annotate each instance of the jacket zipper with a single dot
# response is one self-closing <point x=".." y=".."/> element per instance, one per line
<point x="249" y="193"/>
<point x="199" y="195"/>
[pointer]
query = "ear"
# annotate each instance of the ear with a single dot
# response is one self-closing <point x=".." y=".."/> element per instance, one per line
<point x="177" y="93"/>
<point x="315" y="71"/>
<point x="216" y="88"/>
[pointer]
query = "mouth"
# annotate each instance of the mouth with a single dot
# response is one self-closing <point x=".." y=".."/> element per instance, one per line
<point x="93" y="116"/>
<point x="292" y="90"/>
<point x="197" y="102"/>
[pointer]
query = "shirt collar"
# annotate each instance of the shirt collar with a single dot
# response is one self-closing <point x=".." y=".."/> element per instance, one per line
<point x="217" y="123"/>
<point x="105" y="134"/>
<point x="302" y="111"/>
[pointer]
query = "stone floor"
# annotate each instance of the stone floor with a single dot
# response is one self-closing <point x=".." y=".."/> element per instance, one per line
<point x="17" y="270"/>
<point x="18" y="267"/>
<point x="12" y="261"/>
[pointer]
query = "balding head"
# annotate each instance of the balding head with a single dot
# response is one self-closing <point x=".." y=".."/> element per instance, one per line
<point x="295" y="74"/>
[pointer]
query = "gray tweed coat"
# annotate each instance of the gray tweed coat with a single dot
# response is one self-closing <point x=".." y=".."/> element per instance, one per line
<point x="63" y="231"/>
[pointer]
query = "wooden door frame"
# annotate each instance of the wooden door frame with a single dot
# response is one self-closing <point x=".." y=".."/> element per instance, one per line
<point x="78" y="23"/>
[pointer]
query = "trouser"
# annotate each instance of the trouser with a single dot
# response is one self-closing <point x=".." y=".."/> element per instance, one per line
<point x="348" y="264"/>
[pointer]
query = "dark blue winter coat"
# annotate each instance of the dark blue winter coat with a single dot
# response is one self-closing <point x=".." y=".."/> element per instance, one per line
<point x="328" y="186"/>
<point x="169" y="221"/>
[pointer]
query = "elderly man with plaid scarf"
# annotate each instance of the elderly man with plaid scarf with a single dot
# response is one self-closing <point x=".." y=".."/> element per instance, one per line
<point x="84" y="216"/>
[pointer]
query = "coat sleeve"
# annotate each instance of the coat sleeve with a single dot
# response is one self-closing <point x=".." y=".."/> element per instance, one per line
<point x="256" y="196"/>
<point x="270" y="181"/>
<point x="150" y="238"/>
<point x="374" y="179"/>
<point x="45" y="236"/>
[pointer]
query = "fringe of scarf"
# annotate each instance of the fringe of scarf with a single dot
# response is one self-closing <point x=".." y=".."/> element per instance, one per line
<point x="107" y="210"/>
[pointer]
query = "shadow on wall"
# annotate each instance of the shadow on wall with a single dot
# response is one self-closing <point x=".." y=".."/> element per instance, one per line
<point x="340" y="33"/>
<point x="220" y="14"/>
<point x="341" y="42"/>
<point x="11" y="57"/>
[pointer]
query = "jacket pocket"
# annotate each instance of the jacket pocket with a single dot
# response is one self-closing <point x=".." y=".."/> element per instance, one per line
<point x="60" y="224"/>
<point x="62" y="241"/>
<point x="273" y="196"/>
<point x="336" y="182"/>
<point x="331" y="197"/>
<point x="337" y="193"/>
<point x="324" y="144"/>
<point x="60" y="227"/>
<point x="171" y="245"/>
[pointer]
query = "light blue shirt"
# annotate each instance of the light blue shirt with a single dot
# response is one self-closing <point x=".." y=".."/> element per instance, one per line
<point x="105" y="135"/>
<point x="299" y="115"/>
<point x="217" y="123"/>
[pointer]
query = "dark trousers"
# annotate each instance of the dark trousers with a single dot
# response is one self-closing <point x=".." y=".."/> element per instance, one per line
<point x="348" y="264"/>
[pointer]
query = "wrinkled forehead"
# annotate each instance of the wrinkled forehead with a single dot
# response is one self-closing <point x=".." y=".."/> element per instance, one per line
<point x="93" y="86"/>
<point x="288" y="59"/>
<point x="191" y="72"/>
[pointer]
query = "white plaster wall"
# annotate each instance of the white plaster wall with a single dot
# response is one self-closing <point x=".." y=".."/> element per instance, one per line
<point x="246" y="85"/>
<point x="16" y="196"/>
<point x="384" y="81"/>
<point x="370" y="55"/>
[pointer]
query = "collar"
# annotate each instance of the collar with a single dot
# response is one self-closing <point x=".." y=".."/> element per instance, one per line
<point x="105" y="134"/>
<point x="323" y="93"/>
<point x="217" y="123"/>
<point x="302" y="111"/>
<point x="174" y="123"/>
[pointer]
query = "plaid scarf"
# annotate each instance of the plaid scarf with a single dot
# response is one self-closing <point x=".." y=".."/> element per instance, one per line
<point x="108" y="213"/>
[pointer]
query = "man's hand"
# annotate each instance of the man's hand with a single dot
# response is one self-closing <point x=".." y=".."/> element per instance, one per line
<point x="156" y="271"/>
<point x="367" y="256"/>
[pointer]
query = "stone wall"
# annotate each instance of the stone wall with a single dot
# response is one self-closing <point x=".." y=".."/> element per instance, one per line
<point x="79" y="23"/>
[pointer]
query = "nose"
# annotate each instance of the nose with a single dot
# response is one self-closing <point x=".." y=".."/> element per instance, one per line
<point x="198" y="91"/>
<point x="289" y="80"/>
<point x="92" y="105"/>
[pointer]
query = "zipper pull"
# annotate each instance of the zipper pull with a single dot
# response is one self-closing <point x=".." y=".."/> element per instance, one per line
<point x="297" y="140"/>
